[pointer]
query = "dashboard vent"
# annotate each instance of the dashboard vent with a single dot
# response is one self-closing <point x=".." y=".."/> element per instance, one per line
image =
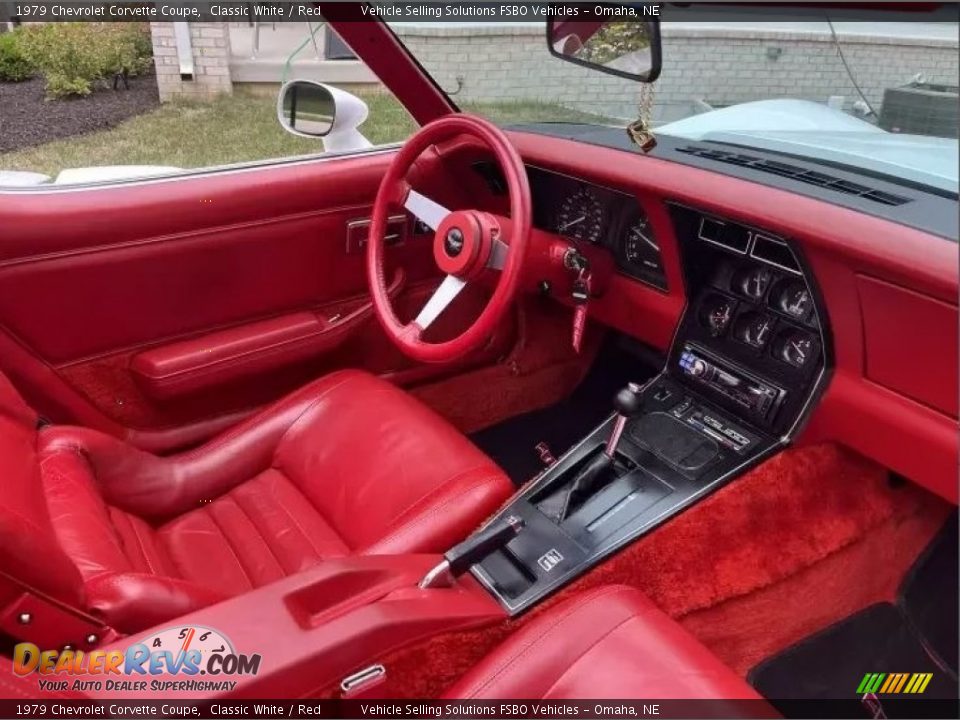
<point x="795" y="172"/>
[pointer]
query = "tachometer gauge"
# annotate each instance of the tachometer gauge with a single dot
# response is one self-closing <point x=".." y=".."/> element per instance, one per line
<point x="753" y="329"/>
<point x="640" y="248"/>
<point x="581" y="217"/>
<point x="794" y="347"/>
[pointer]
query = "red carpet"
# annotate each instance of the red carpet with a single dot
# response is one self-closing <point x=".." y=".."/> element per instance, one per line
<point x="796" y="544"/>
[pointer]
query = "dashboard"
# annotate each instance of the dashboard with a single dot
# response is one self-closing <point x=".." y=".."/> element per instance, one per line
<point x="585" y="212"/>
<point x="878" y="297"/>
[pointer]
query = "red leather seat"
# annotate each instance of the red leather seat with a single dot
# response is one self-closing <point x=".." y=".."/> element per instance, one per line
<point x="606" y="643"/>
<point x="348" y="464"/>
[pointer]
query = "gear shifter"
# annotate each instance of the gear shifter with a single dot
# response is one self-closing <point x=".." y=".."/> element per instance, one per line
<point x="627" y="405"/>
<point x="475" y="548"/>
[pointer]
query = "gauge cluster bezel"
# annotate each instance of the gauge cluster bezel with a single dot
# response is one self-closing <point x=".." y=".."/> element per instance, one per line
<point x="620" y="212"/>
<point x="713" y="273"/>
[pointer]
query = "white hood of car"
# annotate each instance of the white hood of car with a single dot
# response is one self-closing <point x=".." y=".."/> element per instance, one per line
<point x="73" y="176"/>
<point x="808" y="129"/>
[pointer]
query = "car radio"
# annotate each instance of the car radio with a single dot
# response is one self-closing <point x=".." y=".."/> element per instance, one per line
<point x="758" y="397"/>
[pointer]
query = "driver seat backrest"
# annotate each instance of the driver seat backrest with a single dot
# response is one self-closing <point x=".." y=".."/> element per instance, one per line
<point x="99" y="536"/>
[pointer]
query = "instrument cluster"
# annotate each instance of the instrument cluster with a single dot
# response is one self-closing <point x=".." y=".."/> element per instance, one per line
<point x="588" y="213"/>
<point x="766" y="311"/>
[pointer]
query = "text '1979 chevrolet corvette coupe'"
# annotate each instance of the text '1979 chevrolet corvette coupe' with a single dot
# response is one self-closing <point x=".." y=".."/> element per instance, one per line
<point x="583" y="417"/>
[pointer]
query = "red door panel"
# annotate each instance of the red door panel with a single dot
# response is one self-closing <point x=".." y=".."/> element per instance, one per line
<point x="94" y="300"/>
<point x="94" y="280"/>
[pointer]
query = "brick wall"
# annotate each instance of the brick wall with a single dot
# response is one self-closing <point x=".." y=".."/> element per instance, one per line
<point x="210" y="43"/>
<point x="720" y="66"/>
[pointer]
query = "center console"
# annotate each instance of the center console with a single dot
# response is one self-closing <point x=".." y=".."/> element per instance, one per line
<point x="748" y="359"/>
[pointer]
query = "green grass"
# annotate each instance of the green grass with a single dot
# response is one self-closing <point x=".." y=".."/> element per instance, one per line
<point x="238" y="128"/>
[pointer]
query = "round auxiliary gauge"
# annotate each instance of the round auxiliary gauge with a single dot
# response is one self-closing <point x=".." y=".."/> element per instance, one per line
<point x="794" y="347"/>
<point x="753" y="282"/>
<point x="716" y="313"/>
<point x="640" y="247"/>
<point x="580" y="217"/>
<point x="753" y="329"/>
<point x="794" y="299"/>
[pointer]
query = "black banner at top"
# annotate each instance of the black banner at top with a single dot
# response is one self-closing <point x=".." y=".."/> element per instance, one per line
<point x="457" y="12"/>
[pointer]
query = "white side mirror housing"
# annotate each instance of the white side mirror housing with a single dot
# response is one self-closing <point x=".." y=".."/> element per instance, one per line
<point x="310" y="109"/>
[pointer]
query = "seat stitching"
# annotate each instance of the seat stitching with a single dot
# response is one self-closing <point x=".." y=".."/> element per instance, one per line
<point x="583" y="603"/>
<point x="433" y="511"/>
<point x="586" y="652"/>
<point x="245" y="427"/>
<point x="306" y="535"/>
<point x="136" y="535"/>
<point x="233" y="551"/>
<point x="243" y="512"/>
<point x="438" y="489"/>
<point x="313" y="507"/>
<point x="316" y="401"/>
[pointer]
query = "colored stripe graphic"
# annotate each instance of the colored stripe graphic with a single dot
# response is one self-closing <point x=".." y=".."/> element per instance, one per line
<point x="870" y="683"/>
<point x="918" y="683"/>
<point x="894" y="683"/>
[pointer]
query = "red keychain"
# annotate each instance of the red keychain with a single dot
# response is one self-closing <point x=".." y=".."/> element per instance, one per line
<point x="581" y="296"/>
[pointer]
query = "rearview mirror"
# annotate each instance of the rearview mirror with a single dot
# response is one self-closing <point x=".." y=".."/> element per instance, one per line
<point x="628" y="48"/>
<point x="311" y="109"/>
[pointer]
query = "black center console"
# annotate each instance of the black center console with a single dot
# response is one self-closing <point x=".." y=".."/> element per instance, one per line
<point x="748" y="359"/>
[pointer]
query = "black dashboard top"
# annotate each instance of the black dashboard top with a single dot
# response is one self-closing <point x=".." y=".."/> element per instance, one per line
<point x="921" y="208"/>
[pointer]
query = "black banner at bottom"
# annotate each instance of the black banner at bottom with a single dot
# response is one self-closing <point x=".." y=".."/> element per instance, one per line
<point x="471" y="709"/>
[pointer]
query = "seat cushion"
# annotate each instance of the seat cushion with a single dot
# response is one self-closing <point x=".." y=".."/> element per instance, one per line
<point x="348" y="464"/>
<point x="608" y="643"/>
<point x="260" y="531"/>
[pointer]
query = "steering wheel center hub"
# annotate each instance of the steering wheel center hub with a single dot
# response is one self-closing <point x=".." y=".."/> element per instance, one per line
<point x="462" y="242"/>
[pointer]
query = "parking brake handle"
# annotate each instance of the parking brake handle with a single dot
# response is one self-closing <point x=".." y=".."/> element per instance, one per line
<point x="460" y="558"/>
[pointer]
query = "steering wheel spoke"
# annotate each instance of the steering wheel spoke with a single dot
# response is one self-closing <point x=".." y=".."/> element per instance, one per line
<point x="438" y="302"/>
<point x="498" y="255"/>
<point x="426" y="210"/>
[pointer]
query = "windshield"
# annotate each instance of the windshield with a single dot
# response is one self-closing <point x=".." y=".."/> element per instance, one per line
<point x="880" y="96"/>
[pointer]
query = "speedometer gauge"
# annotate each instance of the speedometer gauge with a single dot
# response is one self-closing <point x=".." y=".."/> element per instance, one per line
<point x="581" y="217"/>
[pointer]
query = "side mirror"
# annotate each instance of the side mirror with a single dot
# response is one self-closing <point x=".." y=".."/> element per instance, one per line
<point x="311" y="109"/>
<point x="628" y="48"/>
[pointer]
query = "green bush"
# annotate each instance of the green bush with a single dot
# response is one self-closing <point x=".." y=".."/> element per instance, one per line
<point x="74" y="56"/>
<point x="127" y="48"/>
<point x="14" y="65"/>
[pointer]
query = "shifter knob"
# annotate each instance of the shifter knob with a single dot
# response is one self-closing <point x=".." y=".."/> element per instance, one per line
<point x="627" y="405"/>
<point x="627" y="401"/>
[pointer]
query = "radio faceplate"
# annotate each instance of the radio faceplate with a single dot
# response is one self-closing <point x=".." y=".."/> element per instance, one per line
<point x="758" y="398"/>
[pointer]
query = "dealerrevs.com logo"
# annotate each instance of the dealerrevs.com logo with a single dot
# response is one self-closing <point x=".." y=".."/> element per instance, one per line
<point x="181" y="659"/>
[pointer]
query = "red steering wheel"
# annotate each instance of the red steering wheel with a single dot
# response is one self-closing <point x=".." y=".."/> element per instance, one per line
<point x="465" y="242"/>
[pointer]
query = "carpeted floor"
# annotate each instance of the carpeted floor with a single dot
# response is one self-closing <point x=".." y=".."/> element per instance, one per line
<point x="805" y="539"/>
<point x="800" y="542"/>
